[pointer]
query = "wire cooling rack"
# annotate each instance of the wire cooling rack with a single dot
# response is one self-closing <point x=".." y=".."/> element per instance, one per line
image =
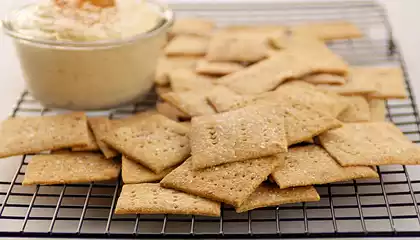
<point x="384" y="207"/>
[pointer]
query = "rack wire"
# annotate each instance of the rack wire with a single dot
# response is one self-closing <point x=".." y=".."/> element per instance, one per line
<point x="386" y="207"/>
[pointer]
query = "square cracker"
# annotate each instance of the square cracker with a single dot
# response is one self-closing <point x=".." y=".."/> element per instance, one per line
<point x="223" y="99"/>
<point x="156" y="142"/>
<point x="372" y="143"/>
<point x="183" y="79"/>
<point x="192" y="103"/>
<point x="101" y="126"/>
<point x="171" y="112"/>
<point x="23" y="135"/>
<point x="184" y="45"/>
<point x="271" y="195"/>
<point x="236" y="47"/>
<point x="91" y="146"/>
<point x="65" y="168"/>
<point x="309" y="165"/>
<point x="266" y="75"/>
<point x="167" y="64"/>
<point x="325" y="78"/>
<point x="217" y="68"/>
<point x="134" y="172"/>
<point x="357" y="110"/>
<point x="151" y="198"/>
<point x="377" y="109"/>
<point x="328" y="30"/>
<point x="308" y="94"/>
<point x="193" y="26"/>
<point x="231" y="183"/>
<point x="247" y="133"/>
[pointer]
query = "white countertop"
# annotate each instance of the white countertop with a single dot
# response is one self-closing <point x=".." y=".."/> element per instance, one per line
<point x="403" y="16"/>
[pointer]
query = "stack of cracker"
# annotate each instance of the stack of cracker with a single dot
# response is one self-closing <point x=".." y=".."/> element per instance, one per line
<point x="250" y="116"/>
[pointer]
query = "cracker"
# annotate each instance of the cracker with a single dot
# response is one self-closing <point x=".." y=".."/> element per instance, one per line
<point x="193" y="26"/>
<point x="184" y="45"/>
<point x="231" y="183"/>
<point x="377" y="110"/>
<point x="23" y="135"/>
<point x="372" y="143"/>
<point x="160" y="90"/>
<point x="309" y="165"/>
<point x="325" y="78"/>
<point x="267" y="30"/>
<point x="217" y="68"/>
<point x="66" y="168"/>
<point x="246" y="133"/>
<point x="182" y="80"/>
<point x="150" y="198"/>
<point x="101" y="126"/>
<point x="192" y="103"/>
<point x="326" y="31"/>
<point x="266" y="75"/>
<point x="357" y="110"/>
<point x="91" y="145"/>
<point x="271" y="195"/>
<point x="223" y="99"/>
<point x="310" y="95"/>
<point x="388" y="81"/>
<point x="170" y="111"/>
<point x="134" y="172"/>
<point x="236" y="47"/>
<point x="167" y="64"/>
<point x="156" y="142"/>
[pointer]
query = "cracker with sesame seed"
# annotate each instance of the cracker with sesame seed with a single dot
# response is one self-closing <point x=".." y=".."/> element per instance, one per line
<point x="326" y="31"/>
<point x="217" y="68"/>
<point x="91" y="145"/>
<point x="184" y="45"/>
<point x="167" y="64"/>
<point x="325" y="78"/>
<point x="192" y="103"/>
<point x="182" y="80"/>
<point x="231" y="183"/>
<point x="23" y="135"/>
<point x="309" y="165"/>
<point x="193" y="26"/>
<point x="246" y="133"/>
<point x="101" y="126"/>
<point x="223" y="99"/>
<point x="357" y="110"/>
<point x="271" y="195"/>
<point x="171" y="112"/>
<point x="134" y="172"/>
<point x="377" y="110"/>
<point x="150" y="198"/>
<point x="65" y="168"/>
<point x="388" y="82"/>
<point x="156" y="142"/>
<point x="371" y="143"/>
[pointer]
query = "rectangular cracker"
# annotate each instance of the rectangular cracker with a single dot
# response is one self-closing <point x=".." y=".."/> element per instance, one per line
<point x="236" y="47"/>
<point x="325" y="78"/>
<point x="193" y="26"/>
<point x="372" y="143"/>
<point x="156" y="142"/>
<point x="308" y="94"/>
<point x="223" y="99"/>
<point x="310" y="165"/>
<point x="171" y="112"/>
<point x="333" y="30"/>
<point x="231" y="183"/>
<point x="247" y="133"/>
<point x="101" y="126"/>
<point x="23" y="135"/>
<point x="192" y="103"/>
<point x="91" y="146"/>
<point x="183" y="79"/>
<point x="167" y="64"/>
<point x="184" y="45"/>
<point x="357" y="110"/>
<point x="377" y="110"/>
<point x="217" y="68"/>
<point x="66" y="168"/>
<point x="151" y="198"/>
<point x="267" y="195"/>
<point x="266" y="75"/>
<point x="133" y="172"/>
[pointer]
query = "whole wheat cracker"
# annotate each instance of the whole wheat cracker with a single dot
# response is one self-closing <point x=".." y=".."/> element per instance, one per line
<point x="65" y="168"/>
<point x="171" y="112"/>
<point x="325" y="78"/>
<point x="192" y="103"/>
<point x="247" y="133"/>
<point x="150" y="198"/>
<point x="231" y="183"/>
<point x="156" y="142"/>
<point x="326" y="31"/>
<point x="377" y="110"/>
<point x="91" y="146"/>
<point x="23" y="135"/>
<point x="133" y="172"/>
<point x="357" y="110"/>
<point x="309" y="165"/>
<point x="182" y="80"/>
<point x="217" y="68"/>
<point x="193" y="26"/>
<point x="167" y="64"/>
<point x="183" y="45"/>
<point x="271" y="195"/>
<point x="371" y="143"/>
<point x="223" y="99"/>
<point x="160" y="90"/>
<point x="101" y="126"/>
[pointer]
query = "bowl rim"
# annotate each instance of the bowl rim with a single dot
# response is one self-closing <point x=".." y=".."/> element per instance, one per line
<point x="167" y="14"/>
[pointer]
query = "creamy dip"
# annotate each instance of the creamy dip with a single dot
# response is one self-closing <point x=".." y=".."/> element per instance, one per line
<point x="87" y="57"/>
